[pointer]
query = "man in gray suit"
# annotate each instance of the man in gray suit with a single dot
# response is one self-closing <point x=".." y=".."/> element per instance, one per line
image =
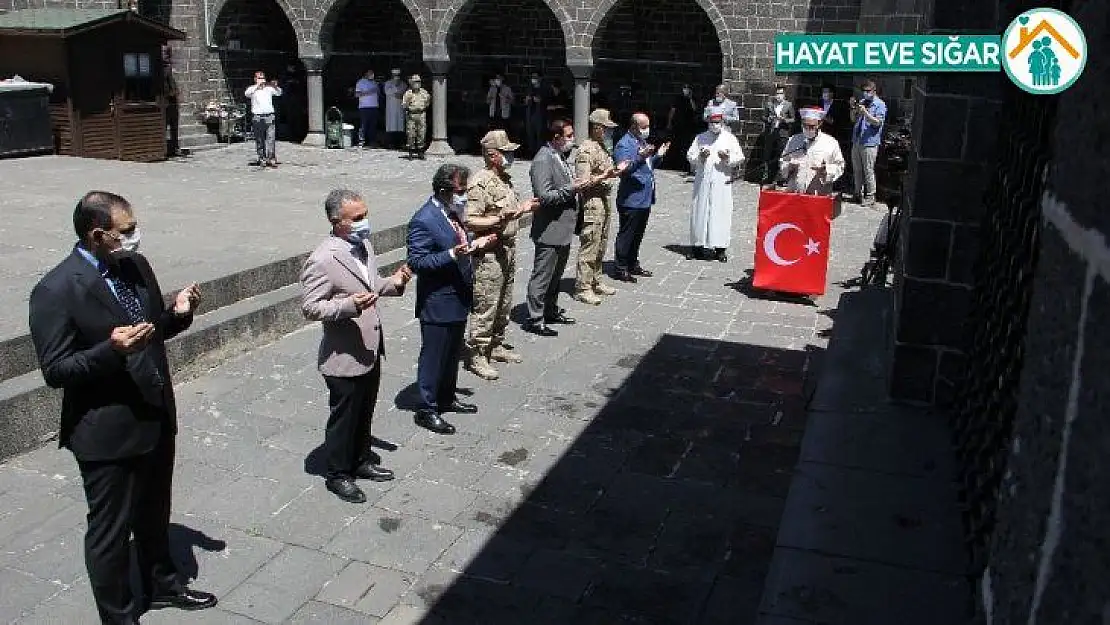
<point x="778" y="114"/>
<point x="340" y="287"/>
<point x="553" y="225"/>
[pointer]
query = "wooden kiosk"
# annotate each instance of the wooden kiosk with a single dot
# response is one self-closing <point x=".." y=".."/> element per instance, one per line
<point x="109" y="96"/>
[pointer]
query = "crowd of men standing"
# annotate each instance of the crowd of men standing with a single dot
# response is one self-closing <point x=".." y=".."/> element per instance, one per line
<point x="99" y="322"/>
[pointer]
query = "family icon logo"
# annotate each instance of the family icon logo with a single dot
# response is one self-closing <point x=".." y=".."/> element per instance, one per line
<point x="1045" y="51"/>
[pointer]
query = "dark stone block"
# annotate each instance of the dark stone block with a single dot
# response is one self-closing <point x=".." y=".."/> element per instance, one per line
<point x="946" y="120"/>
<point x="913" y="373"/>
<point x="1081" y="576"/>
<point x="927" y="249"/>
<point x="1052" y="336"/>
<point x="950" y="375"/>
<point x="1081" y="148"/>
<point x="933" y="313"/>
<point x="970" y="17"/>
<point x="982" y="131"/>
<point x="976" y="84"/>
<point x="949" y="190"/>
<point x="964" y="255"/>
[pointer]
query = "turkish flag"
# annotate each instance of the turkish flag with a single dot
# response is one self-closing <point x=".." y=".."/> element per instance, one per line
<point x="792" y="242"/>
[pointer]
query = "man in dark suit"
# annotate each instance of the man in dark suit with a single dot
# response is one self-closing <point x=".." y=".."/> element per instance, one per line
<point x="635" y="195"/>
<point x="553" y="226"/>
<point x="99" y="326"/>
<point x="778" y="117"/>
<point x="439" y="253"/>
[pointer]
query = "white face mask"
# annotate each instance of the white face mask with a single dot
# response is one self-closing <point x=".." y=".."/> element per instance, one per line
<point x="719" y="99"/>
<point x="507" y="160"/>
<point x="645" y="132"/>
<point x="779" y="97"/>
<point x="458" y="202"/>
<point x="825" y="95"/>
<point x="128" y="243"/>
<point x="535" y="82"/>
<point x="716" y="127"/>
<point x="686" y="92"/>
<point x="496" y="83"/>
<point x="360" y="230"/>
<point x="810" y="133"/>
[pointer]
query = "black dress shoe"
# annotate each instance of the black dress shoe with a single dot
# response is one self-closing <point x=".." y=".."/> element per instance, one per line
<point x="640" y="271"/>
<point x="624" y="276"/>
<point x="373" y="472"/>
<point x="183" y="599"/>
<point x="460" y="407"/>
<point x="722" y="256"/>
<point x="538" y="329"/>
<point x="559" y="317"/>
<point x="431" y="420"/>
<point x="346" y="489"/>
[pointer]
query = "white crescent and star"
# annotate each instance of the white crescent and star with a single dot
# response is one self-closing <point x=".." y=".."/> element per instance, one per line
<point x="812" y="247"/>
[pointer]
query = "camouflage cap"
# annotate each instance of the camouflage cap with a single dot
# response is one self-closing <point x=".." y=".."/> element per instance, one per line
<point x="498" y="140"/>
<point x="602" y="117"/>
<point x="414" y="78"/>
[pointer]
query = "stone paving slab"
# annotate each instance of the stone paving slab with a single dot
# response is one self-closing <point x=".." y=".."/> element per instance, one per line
<point x="630" y="471"/>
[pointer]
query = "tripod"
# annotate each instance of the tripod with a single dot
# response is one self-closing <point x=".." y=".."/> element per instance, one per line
<point x="877" y="268"/>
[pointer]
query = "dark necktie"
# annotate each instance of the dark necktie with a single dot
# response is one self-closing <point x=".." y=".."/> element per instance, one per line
<point x="128" y="297"/>
<point x="460" y="234"/>
<point x="359" y="252"/>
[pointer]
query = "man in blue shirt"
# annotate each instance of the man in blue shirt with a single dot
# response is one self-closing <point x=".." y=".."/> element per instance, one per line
<point x="868" y="115"/>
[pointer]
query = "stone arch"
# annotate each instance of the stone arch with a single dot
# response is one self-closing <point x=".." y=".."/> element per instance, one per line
<point x="513" y="38"/>
<point x="451" y="18"/>
<point x="324" y="23"/>
<point x="604" y="11"/>
<point x="252" y="35"/>
<point x="356" y="35"/>
<point x="644" y="51"/>
<point x="218" y="7"/>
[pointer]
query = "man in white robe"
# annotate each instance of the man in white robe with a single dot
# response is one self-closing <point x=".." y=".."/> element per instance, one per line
<point x="811" y="160"/>
<point x="713" y="155"/>
<point x="395" y="89"/>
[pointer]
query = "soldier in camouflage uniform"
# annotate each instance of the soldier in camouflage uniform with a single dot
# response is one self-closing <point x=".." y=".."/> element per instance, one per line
<point x="593" y="159"/>
<point x="492" y="207"/>
<point x="415" y="102"/>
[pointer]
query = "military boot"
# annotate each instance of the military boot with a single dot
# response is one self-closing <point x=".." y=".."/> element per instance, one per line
<point x="500" y="353"/>
<point x="604" y="289"/>
<point x="587" y="297"/>
<point x="478" y="363"/>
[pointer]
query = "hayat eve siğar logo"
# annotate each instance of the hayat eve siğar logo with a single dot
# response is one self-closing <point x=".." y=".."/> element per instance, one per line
<point x="1044" y="51"/>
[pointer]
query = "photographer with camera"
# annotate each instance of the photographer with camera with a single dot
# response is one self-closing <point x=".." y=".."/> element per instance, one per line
<point x="262" y="94"/>
<point x="868" y="115"/>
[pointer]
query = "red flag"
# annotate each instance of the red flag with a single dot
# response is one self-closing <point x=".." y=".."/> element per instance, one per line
<point x="792" y="242"/>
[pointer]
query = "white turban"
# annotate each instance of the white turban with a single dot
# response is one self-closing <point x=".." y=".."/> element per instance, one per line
<point x="812" y="114"/>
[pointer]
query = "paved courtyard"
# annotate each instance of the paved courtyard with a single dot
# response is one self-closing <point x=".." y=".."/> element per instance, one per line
<point x="632" y="470"/>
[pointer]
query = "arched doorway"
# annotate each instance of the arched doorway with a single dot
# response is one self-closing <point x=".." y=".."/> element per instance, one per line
<point x="253" y="35"/>
<point x="357" y="36"/>
<point x="645" y="50"/>
<point x="486" y="39"/>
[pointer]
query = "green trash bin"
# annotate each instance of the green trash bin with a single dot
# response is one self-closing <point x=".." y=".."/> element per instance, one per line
<point x="333" y="128"/>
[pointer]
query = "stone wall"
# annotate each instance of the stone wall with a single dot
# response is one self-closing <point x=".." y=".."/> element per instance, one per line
<point x="955" y="132"/>
<point x="1048" y="558"/>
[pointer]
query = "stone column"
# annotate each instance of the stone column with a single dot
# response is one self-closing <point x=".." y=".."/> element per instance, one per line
<point x="439" y="145"/>
<point x="582" y="73"/>
<point x="314" y="70"/>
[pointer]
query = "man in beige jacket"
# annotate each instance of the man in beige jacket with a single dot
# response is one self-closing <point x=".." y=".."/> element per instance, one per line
<point x="340" y="287"/>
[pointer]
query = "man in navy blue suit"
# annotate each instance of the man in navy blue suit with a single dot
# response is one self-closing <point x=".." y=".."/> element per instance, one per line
<point x="635" y="195"/>
<point x="439" y="252"/>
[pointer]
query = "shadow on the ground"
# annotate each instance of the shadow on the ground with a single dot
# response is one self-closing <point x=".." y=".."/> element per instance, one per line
<point x="664" y="508"/>
<point x="744" y="285"/>
<point x="183" y="541"/>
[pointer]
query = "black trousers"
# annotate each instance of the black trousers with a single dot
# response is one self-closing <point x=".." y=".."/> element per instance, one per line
<point x="773" y="143"/>
<point x="347" y="436"/>
<point x="368" y="121"/>
<point x="129" y="496"/>
<point x="632" y="223"/>
<point x="437" y="369"/>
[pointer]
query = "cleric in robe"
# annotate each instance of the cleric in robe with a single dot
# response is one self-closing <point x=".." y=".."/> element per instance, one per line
<point x="713" y="155"/>
<point x="811" y="160"/>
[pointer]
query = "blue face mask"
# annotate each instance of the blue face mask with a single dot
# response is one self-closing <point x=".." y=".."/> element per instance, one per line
<point x="507" y="159"/>
<point x="458" y="202"/>
<point x="360" y="230"/>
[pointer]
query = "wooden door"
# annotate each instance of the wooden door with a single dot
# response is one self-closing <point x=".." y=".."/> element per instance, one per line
<point x="95" y="75"/>
<point x="140" y="109"/>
